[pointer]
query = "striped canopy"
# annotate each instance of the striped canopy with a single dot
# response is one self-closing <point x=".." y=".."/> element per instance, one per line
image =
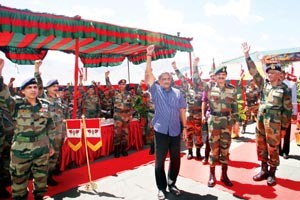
<point x="26" y="36"/>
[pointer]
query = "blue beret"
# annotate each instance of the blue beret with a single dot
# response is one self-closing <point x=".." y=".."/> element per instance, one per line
<point x="221" y="69"/>
<point x="51" y="82"/>
<point x="122" y="81"/>
<point x="273" y="67"/>
<point x="27" y="82"/>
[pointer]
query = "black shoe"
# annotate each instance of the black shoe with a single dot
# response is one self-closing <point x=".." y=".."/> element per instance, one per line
<point x="124" y="153"/>
<point x="161" y="195"/>
<point x="205" y="161"/>
<point x="174" y="190"/>
<point x="56" y="171"/>
<point x="4" y="193"/>
<point x="285" y="156"/>
<point x="51" y="181"/>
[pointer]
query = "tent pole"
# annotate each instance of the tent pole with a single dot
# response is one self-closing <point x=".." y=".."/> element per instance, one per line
<point x="128" y="70"/>
<point x="75" y="92"/>
<point x="190" y="58"/>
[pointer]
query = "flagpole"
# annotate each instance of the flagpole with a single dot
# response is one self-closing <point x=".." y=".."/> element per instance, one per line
<point x="90" y="185"/>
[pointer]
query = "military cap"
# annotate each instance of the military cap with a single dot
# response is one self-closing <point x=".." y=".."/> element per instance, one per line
<point x="273" y="66"/>
<point x="90" y="86"/>
<point x="60" y="88"/>
<point x="122" y="81"/>
<point x="27" y="82"/>
<point x="221" y="69"/>
<point x="52" y="82"/>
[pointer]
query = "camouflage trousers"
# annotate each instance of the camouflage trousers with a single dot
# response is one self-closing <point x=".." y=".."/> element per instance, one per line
<point x="193" y="130"/>
<point x="219" y="129"/>
<point x="268" y="128"/>
<point x="121" y="127"/>
<point x="54" y="160"/>
<point x="250" y="111"/>
<point x="29" y="158"/>
<point x="5" y="145"/>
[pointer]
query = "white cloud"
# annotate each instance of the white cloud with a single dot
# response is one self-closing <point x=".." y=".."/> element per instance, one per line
<point x="240" y="9"/>
<point x="264" y="36"/>
<point x="161" y="18"/>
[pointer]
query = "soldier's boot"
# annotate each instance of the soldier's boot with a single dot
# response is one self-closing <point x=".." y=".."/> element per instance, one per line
<point x="198" y="154"/>
<point x="212" y="177"/>
<point x="190" y="154"/>
<point x="271" y="181"/>
<point x="263" y="174"/>
<point x="124" y="150"/>
<point x="50" y="180"/>
<point x="151" y="150"/>
<point x="224" y="177"/>
<point x="38" y="197"/>
<point x="3" y="192"/>
<point x="244" y="129"/>
<point x="117" y="151"/>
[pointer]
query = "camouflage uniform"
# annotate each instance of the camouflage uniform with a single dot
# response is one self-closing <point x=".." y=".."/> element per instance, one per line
<point x="67" y="104"/>
<point x="90" y="104"/>
<point x="274" y="115"/>
<point x="252" y="96"/>
<point x="57" y="114"/>
<point x="6" y="134"/>
<point x="122" y="115"/>
<point x="223" y="114"/>
<point x="34" y="133"/>
<point x="193" y="96"/>
<point x="222" y="102"/>
<point x="107" y="105"/>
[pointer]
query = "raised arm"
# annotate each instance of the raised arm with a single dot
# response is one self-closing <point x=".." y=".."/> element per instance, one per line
<point x="1" y="77"/>
<point x="258" y="79"/>
<point x="37" y="76"/>
<point x="149" y="77"/>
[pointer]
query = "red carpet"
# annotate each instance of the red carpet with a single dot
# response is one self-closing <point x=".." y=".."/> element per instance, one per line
<point x="242" y="164"/>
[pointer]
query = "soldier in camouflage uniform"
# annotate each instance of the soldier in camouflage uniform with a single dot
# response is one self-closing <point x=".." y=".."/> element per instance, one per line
<point x="58" y="117"/>
<point x="252" y="96"/>
<point x="90" y="101"/>
<point x="6" y="134"/>
<point x="122" y="115"/>
<point x="67" y="102"/>
<point x="33" y="140"/>
<point x="150" y="114"/>
<point x="193" y="94"/>
<point x="222" y="101"/>
<point x="274" y="117"/>
<point x="107" y="104"/>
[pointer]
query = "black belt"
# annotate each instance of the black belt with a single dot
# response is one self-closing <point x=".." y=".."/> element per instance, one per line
<point x="20" y="138"/>
<point x="220" y="114"/>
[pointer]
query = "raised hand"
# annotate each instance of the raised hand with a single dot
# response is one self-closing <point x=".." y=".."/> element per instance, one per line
<point x="150" y="49"/>
<point x="196" y="61"/>
<point x="246" y="49"/>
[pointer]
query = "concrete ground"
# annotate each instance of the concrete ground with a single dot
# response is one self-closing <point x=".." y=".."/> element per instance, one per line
<point x="139" y="184"/>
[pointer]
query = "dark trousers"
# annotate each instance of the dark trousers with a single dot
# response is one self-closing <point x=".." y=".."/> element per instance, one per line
<point x="285" y="147"/>
<point x="163" y="145"/>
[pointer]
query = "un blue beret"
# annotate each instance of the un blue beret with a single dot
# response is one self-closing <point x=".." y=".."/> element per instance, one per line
<point x="52" y="82"/>
<point x="221" y="69"/>
<point x="272" y="66"/>
<point x="27" y="82"/>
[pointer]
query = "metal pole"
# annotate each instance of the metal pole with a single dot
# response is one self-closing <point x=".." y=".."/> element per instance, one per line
<point x="128" y="70"/>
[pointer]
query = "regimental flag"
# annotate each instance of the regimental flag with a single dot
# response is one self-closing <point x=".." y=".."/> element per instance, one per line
<point x="93" y="133"/>
<point x="74" y="133"/>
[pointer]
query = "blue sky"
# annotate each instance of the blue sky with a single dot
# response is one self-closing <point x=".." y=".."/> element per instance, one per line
<point x="218" y="28"/>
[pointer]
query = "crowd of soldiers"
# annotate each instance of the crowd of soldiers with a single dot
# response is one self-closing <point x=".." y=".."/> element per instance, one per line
<point x="33" y="129"/>
<point x="32" y="121"/>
